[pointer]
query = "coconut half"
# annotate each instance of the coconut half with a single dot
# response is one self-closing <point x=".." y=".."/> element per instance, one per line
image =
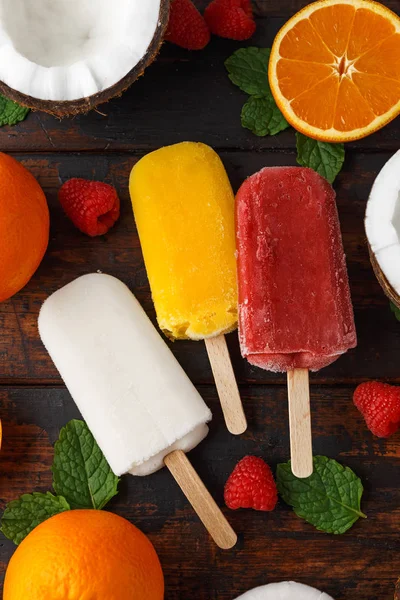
<point x="67" y="56"/>
<point x="382" y="226"/>
<point x="285" y="590"/>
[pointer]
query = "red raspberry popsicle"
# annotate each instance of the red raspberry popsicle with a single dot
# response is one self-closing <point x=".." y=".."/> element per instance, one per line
<point x="295" y="311"/>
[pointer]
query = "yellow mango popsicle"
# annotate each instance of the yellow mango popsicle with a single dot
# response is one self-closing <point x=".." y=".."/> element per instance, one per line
<point x="184" y="210"/>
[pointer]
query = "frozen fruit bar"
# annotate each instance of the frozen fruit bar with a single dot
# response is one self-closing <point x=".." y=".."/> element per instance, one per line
<point x="295" y="310"/>
<point x="184" y="210"/>
<point x="131" y="391"/>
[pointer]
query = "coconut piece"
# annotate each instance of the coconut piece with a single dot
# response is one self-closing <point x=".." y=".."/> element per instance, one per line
<point x="382" y="226"/>
<point x="67" y="56"/>
<point x="285" y="590"/>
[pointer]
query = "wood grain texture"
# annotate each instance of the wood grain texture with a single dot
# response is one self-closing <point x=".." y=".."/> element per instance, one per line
<point x="301" y="454"/>
<point x="70" y="254"/>
<point x="188" y="96"/>
<point x="275" y="546"/>
<point x="285" y="8"/>
<point x="197" y="102"/>
<point x="226" y="384"/>
<point x="201" y="500"/>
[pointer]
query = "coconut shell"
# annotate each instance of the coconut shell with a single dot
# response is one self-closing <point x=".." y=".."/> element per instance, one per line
<point x="397" y="591"/>
<point x="84" y="105"/>
<point x="385" y="285"/>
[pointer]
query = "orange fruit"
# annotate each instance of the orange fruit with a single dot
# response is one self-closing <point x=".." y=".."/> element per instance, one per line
<point x="335" y="69"/>
<point x="85" y="555"/>
<point x="24" y="226"/>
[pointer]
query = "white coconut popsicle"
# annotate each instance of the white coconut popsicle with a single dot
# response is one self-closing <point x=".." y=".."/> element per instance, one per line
<point x="136" y="399"/>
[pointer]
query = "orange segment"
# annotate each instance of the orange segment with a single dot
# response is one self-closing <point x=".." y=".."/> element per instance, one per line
<point x="377" y="92"/>
<point x="382" y="60"/>
<point x="368" y="30"/>
<point x="335" y="69"/>
<point x="290" y="70"/>
<point x="333" y="24"/>
<point x="309" y="107"/>
<point x="352" y="111"/>
<point x="315" y="49"/>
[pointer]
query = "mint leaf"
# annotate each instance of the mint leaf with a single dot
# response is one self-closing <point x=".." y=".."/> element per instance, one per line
<point x="23" y="515"/>
<point x="329" y="499"/>
<point x="248" y="69"/>
<point x="326" y="159"/>
<point x="395" y="310"/>
<point x="263" y="117"/>
<point x="80" y="471"/>
<point x="11" y="113"/>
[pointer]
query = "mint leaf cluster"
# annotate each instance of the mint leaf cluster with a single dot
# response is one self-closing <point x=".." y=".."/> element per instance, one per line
<point x="80" y="471"/>
<point x="11" y="113"/>
<point x="82" y="478"/>
<point x="248" y="69"/>
<point x="327" y="159"/>
<point x="329" y="499"/>
<point x="23" y="515"/>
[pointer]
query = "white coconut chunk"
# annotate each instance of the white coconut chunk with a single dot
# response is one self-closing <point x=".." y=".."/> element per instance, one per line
<point x="285" y="590"/>
<point x="382" y="221"/>
<point x="65" y="50"/>
<point x="388" y="260"/>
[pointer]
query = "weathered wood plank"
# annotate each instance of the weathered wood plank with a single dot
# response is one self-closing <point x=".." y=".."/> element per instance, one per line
<point x="359" y="563"/>
<point x="22" y="357"/>
<point x="183" y="95"/>
<point x="286" y="8"/>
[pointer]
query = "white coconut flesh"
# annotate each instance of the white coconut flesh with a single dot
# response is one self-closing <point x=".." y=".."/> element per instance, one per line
<point x="286" y="590"/>
<point x="382" y="221"/>
<point x="64" y="50"/>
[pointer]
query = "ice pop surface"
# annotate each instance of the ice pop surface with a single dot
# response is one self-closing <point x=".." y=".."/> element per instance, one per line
<point x="295" y="309"/>
<point x="184" y="210"/>
<point x="136" y="399"/>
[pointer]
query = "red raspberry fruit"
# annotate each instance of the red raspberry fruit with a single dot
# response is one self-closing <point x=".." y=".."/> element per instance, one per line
<point x="251" y="485"/>
<point x="186" y="27"/>
<point x="379" y="404"/>
<point x="231" y="19"/>
<point x="92" y="206"/>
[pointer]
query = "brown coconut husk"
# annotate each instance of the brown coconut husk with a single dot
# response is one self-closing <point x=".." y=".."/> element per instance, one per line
<point x="397" y="591"/>
<point x="84" y="105"/>
<point x="385" y="285"/>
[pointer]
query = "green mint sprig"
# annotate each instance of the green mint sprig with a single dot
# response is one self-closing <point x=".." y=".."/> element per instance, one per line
<point x="329" y="499"/>
<point x="326" y="159"/>
<point x="80" y="471"/>
<point x="23" y="515"/>
<point x="11" y="113"/>
<point x="248" y="69"/>
<point x="82" y="478"/>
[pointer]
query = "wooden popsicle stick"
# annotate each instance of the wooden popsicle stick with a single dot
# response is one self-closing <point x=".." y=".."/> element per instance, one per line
<point x="200" y="499"/>
<point x="300" y="423"/>
<point x="225" y="381"/>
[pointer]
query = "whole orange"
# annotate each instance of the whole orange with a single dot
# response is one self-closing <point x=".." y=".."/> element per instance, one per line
<point x="24" y="226"/>
<point x="85" y="555"/>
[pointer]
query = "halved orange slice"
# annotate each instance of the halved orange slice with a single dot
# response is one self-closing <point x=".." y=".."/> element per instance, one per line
<point x="335" y="69"/>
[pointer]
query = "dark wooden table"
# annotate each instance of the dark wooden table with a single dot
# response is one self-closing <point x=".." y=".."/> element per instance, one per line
<point x="187" y="96"/>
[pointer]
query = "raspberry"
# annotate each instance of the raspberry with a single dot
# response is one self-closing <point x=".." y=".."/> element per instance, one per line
<point x="186" y="27"/>
<point x="251" y="485"/>
<point x="231" y="19"/>
<point x="92" y="206"/>
<point x="379" y="403"/>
